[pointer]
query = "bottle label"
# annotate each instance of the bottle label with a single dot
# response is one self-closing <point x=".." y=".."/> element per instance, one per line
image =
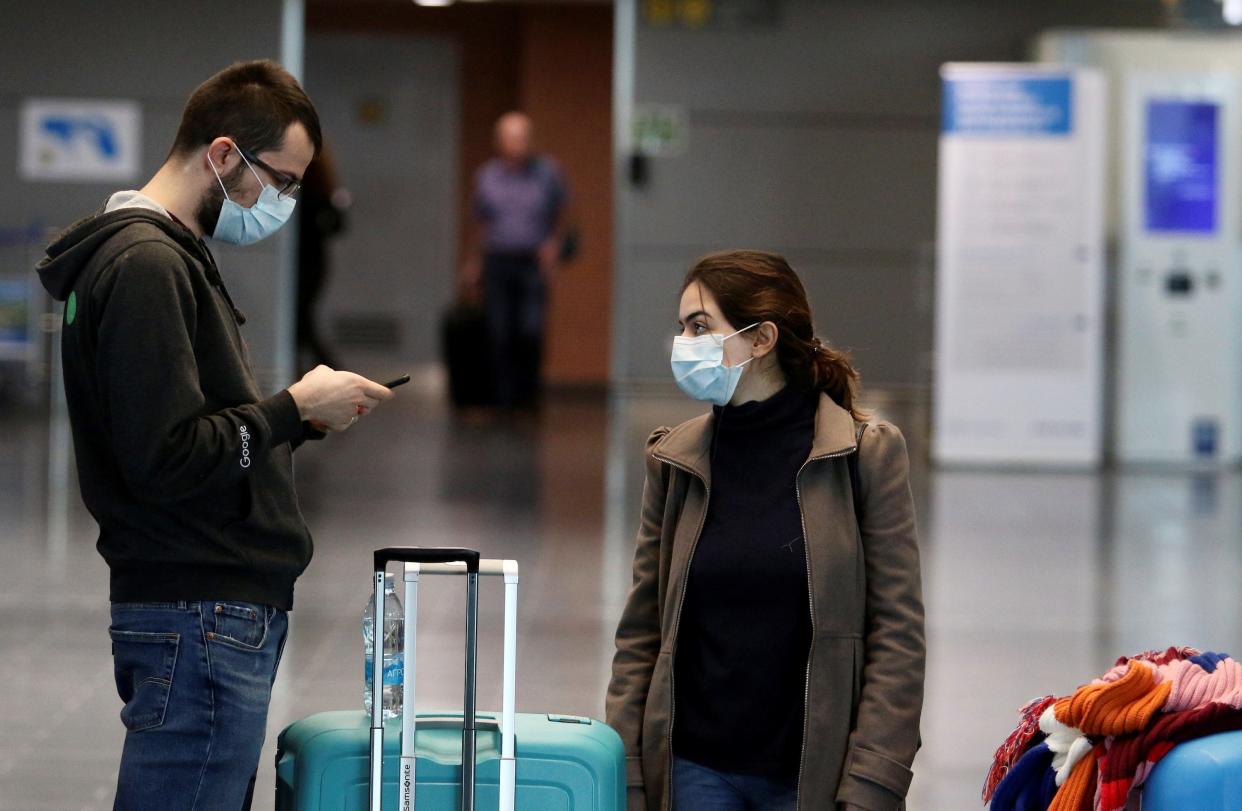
<point x="394" y="670"/>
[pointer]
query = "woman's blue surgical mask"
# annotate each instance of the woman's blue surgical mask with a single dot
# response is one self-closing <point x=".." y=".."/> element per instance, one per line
<point x="698" y="367"/>
<point x="239" y="225"/>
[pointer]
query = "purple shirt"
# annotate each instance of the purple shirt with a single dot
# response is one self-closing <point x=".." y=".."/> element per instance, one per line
<point x="518" y="208"/>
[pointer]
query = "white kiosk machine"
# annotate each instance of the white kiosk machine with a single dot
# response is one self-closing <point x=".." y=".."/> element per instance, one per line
<point x="1179" y="369"/>
<point x="1177" y="221"/>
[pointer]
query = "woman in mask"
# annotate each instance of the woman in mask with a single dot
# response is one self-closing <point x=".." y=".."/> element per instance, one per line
<point x="771" y="651"/>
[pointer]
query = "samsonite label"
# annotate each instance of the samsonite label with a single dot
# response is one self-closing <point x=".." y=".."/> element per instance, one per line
<point x="407" y="784"/>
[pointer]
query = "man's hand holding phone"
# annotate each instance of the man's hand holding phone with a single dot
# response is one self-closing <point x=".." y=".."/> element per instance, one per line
<point x="333" y="401"/>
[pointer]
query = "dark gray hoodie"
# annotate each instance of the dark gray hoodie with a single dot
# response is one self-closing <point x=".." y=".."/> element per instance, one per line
<point x="185" y="465"/>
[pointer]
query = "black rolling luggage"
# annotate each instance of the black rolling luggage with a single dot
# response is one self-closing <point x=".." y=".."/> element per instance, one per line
<point x="467" y="356"/>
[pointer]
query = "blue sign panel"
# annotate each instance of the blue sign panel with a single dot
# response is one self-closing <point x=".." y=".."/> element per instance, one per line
<point x="14" y="313"/>
<point x="1181" y="166"/>
<point x="1204" y="433"/>
<point x="98" y="132"/>
<point x="1008" y="105"/>
<point x="80" y="140"/>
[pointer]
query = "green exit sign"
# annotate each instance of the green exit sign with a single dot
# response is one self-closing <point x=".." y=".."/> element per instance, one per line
<point x="661" y="130"/>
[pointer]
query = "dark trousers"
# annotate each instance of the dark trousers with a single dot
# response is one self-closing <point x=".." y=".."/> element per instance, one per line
<point x="515" y="300"/>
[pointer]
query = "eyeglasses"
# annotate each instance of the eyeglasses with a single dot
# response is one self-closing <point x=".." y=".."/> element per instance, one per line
<point x="287" y="185"/>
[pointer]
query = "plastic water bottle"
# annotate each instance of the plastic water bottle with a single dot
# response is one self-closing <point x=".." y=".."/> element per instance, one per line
<point x="394" y="648"/>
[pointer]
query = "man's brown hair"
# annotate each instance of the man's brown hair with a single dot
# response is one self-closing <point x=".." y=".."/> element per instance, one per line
<point x="251" y="102"/>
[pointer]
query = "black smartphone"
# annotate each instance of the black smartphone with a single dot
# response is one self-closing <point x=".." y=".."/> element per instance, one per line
<point x="400" y="381"/>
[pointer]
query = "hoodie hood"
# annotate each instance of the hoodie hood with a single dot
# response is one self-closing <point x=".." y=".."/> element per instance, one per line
<point x="73" y="249"/>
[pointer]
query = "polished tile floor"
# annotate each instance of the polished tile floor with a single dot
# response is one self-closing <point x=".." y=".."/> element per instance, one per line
<point x="1034" y="581"/>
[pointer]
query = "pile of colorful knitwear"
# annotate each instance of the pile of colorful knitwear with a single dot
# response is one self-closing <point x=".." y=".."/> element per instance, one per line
<point x="1090" y="750"/>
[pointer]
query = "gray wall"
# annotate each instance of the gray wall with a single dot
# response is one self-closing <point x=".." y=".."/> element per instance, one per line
<point x="816" y="137"/>
<point x="156" y="53"/>
<point x="395" y="260"/>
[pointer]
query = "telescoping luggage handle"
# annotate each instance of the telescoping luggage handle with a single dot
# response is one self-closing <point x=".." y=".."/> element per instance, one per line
<point x="446" y="561"/>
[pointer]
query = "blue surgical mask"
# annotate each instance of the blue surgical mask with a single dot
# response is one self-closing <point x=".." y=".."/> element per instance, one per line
<point x="698" y="367"/>
<point x="239" y="225"/>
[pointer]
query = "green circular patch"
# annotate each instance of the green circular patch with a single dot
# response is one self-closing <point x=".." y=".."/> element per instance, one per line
<point x="71" y="307"/>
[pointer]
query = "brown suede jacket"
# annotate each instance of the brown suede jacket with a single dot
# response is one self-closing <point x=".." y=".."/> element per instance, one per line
<point x="865" y="668"/>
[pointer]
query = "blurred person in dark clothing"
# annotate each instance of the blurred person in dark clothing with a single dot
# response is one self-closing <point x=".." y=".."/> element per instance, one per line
<point x="323" y="203"/>
<point x="519" y="206"/>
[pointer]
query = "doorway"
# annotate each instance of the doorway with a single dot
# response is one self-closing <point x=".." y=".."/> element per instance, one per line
<point x="441" y="77"/>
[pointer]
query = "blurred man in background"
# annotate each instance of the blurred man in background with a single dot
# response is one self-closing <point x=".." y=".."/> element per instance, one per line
<point x="519" y="214"/>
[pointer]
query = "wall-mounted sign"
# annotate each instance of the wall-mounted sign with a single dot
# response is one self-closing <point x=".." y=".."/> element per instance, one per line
<point x="710" y="14"/>
<point x="661" y="130"/>
<point x="15" y="335"/>
<point x="1007" y="105"/>
<point x="372" y="111"/>
<point x="79" y="140"/>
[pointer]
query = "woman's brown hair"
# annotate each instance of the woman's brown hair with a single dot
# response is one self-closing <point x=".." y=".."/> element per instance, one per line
<point x="755" y="286"/>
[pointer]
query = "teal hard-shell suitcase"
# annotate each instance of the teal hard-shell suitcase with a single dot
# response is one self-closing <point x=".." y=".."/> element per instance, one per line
<point x="511" y="762"/>
<point x="563" y="764"/>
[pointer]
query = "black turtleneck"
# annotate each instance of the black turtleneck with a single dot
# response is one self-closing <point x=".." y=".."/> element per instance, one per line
<point x="745" y="629"/>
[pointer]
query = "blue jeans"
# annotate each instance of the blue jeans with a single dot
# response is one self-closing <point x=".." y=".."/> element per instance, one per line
<point x="196" y="679"/>
<point x="698" y="788"/>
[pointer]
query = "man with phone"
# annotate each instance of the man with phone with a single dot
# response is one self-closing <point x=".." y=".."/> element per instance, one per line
<point x="183" y="462"/>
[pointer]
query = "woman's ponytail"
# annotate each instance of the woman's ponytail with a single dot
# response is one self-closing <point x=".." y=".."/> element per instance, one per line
<point x="832" y="372"/>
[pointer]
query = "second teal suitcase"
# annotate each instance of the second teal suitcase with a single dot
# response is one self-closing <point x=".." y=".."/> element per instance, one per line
<point x="1202" y="774"/>
<point x="345" y="761"/>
